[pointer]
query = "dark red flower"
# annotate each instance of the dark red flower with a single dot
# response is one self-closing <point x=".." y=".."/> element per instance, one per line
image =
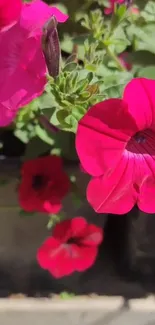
<point x="73" y="246"/>
<point x="44" y="184"/>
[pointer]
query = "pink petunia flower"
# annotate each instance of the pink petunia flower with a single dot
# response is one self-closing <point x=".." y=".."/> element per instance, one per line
<point x="9" y="12"/>
<point x="22" y="63"/>
<point x="72" y="247"/>
<point x="112" y="3"/>
<point x="115" y="142"/>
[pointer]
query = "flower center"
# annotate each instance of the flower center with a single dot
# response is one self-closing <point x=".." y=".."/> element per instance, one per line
<point x="72" y="240"/>
<point x="142" y="142"/>
<point x="140" y="137"/>
<point x="38" y="181"/>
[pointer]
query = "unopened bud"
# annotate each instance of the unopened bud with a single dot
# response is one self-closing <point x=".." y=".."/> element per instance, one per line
<point x="51" y="46"/>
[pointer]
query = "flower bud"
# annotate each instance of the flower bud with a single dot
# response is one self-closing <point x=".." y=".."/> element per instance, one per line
<point x="51" y="46"/>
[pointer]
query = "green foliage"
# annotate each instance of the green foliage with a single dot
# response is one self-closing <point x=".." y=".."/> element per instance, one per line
<point x="91" y="71"/>
<point x="73" y="93"/>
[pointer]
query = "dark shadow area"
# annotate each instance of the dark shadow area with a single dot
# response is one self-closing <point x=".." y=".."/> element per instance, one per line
<point x="119" y="268"/>
<point x="125" y="264"/>
<point x="114" y="272"/>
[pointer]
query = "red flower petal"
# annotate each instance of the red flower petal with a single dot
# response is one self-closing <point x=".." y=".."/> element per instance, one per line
<point x="47" y="251"/>
<point x="42" y="165"/>
<point x="102" y="135"/>
<point x="78" y="227"/>
<point x="93" y="236"/>
<point x="47" y="198"/>
<point x="62" y="231"/>
<point x="85" y="257"/>
<point x="71" y="228"/>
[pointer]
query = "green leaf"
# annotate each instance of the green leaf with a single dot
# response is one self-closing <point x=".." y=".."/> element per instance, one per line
<point x="43" y="135"/>
<point x="147" y="72"/>
<point x="22" y="135"/>
<point x="91" y="67"/>
<point x="114" y="84"/>
<point x="27" y="112"/>
<point x="149" y="12"/>
<point x="141" y="3"/>
<point x="62" y="114"/>
<point x="118" y="40"/>
<point x="53" y="220"/>
<point x="46" y="101"/>
<point x="67" y="45"/>
<point x="142" y="58"/>
<point x="144" y="37"/>
<point x="79" y="111"/>
<point x="81" y="85"/>
<point x="70" y="66"/>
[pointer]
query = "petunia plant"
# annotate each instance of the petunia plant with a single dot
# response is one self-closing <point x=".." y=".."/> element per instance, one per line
<point x="85" y="95"/>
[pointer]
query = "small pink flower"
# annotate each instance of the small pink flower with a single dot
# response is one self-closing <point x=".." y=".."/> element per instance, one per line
<point x="115" y="142"/>
<point x="123" y="57"/>
<point x="9" y="12"/>
<point x="72" y="247"/>
<point x="22" y="63"/>
<point x="112" y="3"/>
<point x="135" y="11"/>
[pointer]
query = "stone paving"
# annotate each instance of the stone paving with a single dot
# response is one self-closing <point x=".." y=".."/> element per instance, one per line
<point x="99" y="311"/>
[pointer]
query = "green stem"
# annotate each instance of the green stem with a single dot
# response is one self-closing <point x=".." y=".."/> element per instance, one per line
<point x="115" y="59"/>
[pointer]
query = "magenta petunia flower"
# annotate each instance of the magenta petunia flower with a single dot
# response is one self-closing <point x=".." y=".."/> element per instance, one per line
<point x="115" y="142"/>
<point x="72" y="247"/>
<point x="22" y="63"/>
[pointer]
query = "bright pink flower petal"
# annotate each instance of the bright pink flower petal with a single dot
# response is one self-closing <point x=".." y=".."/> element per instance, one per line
<point x="22" y="63"/>
<point x="141" y="107"/>
<point x="114" y="192"/>
<point x="35" y="15"/>
<point x="146" y="201"/>
<point x="9" y="12"/>
<point x="102" y="135"/>
<point x="12" y="95"/>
